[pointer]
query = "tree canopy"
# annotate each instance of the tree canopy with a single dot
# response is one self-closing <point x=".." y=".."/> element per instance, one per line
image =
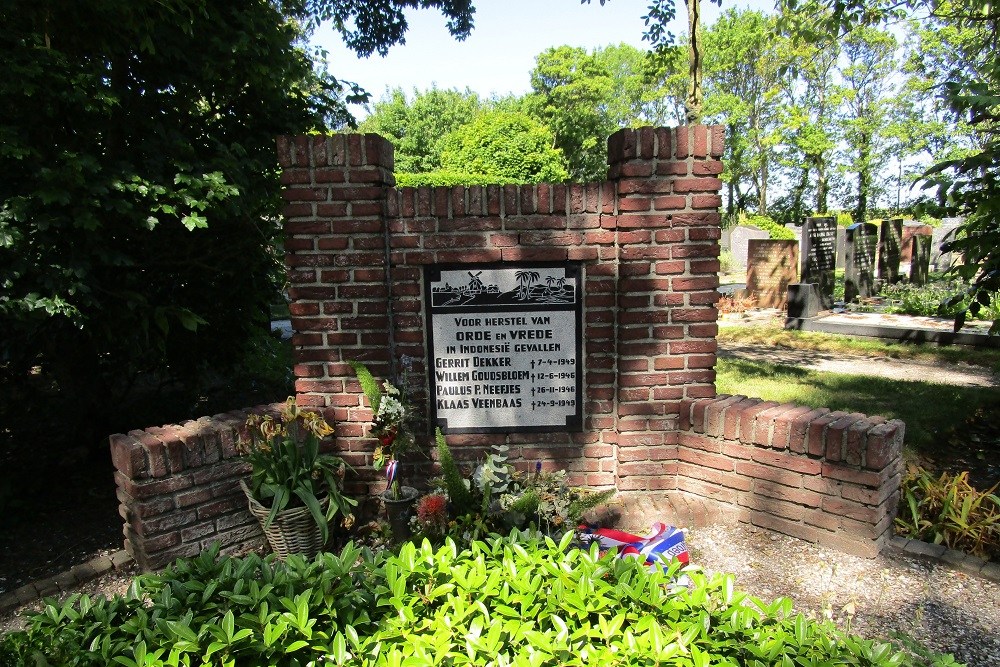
<point x="139" y="188"/>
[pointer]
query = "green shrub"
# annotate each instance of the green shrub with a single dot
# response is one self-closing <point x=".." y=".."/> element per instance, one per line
<point x="774" y="230"/>
<point x="505" y="601"/>
<point x="727" y="263"/>
<point x="446" y="178"/>
<point x="844" y="218"/>
<point x="932" y="300"/>
<point x="948" y="510"/>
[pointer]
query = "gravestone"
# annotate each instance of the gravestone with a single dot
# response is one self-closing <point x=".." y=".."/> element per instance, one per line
<point x="739" y="239"/>
<point x="841" y="245"/>
<point x="890" y="241"/>
<point x="943" y="232"/>
<point x="724" y="242"/>
<point x="920" y="258"/>
<point x="819" y="255"/>
<point x="912" y="228"/>
<point x="505" y="347"/>
<point x="859" y="267"/>
<point x="794" y="229"/>
<point x="772" y="267"/>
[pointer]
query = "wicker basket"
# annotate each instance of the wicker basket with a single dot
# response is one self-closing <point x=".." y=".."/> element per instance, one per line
<point x="293" y="531"/>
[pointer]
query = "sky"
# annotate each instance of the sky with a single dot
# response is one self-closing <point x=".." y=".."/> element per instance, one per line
<point x="499" y="54"/>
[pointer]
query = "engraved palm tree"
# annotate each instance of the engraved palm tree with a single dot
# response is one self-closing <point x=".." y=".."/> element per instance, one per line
<point x="525" y="278"/>
<point x="548" y="284"/>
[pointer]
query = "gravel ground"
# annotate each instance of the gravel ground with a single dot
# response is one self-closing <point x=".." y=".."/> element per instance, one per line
<point x="943" y="609"/>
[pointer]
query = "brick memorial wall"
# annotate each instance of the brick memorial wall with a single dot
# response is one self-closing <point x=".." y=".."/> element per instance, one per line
<point x="644" y="248"/>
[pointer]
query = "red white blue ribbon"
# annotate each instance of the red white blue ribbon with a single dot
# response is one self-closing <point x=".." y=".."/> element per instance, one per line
<point x="390" y="472"/>
<point x="663" y="544"/>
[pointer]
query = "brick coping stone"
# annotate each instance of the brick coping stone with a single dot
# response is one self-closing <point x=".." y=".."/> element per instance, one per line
<point x="95" y="567"/>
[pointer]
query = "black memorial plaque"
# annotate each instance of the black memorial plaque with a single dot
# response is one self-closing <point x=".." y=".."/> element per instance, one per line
<point x="819" y="255"/>
<point x="859" y="272"/>
<point x="890" y="243"/>
<point x="505" y="347"/>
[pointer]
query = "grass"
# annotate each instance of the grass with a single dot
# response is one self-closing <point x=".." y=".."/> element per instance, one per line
<point x="775" y="335"/>
<point x="931" y="411"/>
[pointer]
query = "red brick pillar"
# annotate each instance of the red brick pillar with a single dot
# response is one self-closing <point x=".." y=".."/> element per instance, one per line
<point x="335" y="224"/>
<point x="668" y="225"/>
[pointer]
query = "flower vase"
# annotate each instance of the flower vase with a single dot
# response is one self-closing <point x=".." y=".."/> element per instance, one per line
<point x="399" y="510"/>
<point x="293" y="530"/>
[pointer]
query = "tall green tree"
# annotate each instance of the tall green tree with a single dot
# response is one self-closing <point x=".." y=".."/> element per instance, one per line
<point x="139" y="189"/>
<point x="808" y="110"/>
<point x="417" y="126"/>
<point x="571" y="93"/>
<point x="869" y="64"/>
<point x="742" y="62"/>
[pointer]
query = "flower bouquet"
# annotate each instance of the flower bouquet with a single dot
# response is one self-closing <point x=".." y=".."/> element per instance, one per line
<point x="390" y="426"/>
<point x="292" y="480"/>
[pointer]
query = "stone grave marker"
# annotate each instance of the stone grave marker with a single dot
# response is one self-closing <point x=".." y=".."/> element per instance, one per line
<point x="738" y="240"/>
<point x="819" y="255"/>
<point x="920" y="258"/>
<point x="772" y="267"/>
<point x="910" y="229"/>
<point x="841" y="245"/>
<point x="890" y="241"/>
<point x="859" y="267"/>
<point x="505" y="346"/>
<point x="943" y="232"/>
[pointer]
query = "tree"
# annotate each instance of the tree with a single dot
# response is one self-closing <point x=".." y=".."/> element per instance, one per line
<point x="571" y="93"/>
<point x="139" y="189"/>
<point x="631" y="88"/>
<point x="659" y="14"/>
<point x="868" y="85"/>
<point x="808" y="121"/>
<point x="665" y="78"/>
<point x="742" y="64"/>
<point x="417" y="127"/>
<point x="506" y="147"/>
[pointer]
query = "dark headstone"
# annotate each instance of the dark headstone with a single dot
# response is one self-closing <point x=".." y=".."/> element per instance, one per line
<point x="841" y="245"/>
<point x="890" y="243"/>
<point x="803" y="300"/>
<point x="772" y="266"/>
<point x="859" y="267"/>
<point x="819" y="255"/>
<point x="920" y="258"/>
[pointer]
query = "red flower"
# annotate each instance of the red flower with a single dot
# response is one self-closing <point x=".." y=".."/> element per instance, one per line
<point x="387" y="438"/>
<point x="433" y="510"/>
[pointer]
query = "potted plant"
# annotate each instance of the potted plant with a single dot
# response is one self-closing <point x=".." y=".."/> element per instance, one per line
<point x="295" y="491"/>
<point x="391" y="427"/>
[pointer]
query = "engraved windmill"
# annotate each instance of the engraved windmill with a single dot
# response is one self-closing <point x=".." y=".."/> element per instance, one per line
<point x="475" y="284"/>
